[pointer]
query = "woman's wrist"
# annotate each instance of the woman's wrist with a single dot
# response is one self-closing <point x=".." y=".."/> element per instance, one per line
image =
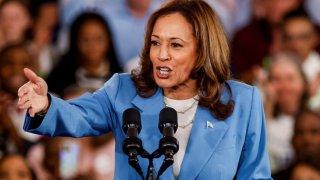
<point x="43" y="112"/>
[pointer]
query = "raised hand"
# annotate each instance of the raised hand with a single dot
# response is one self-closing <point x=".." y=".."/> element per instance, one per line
<point x="33" y="94"/>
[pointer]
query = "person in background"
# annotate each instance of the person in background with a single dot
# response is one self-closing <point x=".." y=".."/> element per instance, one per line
<point x="184" y="66"/>
<point x="15" y="21"/>
<point x="260" y="38"/>
<point x="68" y="12"/>
<point x="45" y="15"/>
<point x="10" y="140"/>
<point x="44" y="158"/>
<point x="306" y="170"/>
<point x="93" y="156"/>
<point x="305" y="140"/>
<point x="15" y="167"/>
<point x="127" y="23"/>
<point x="285" y="94"/>
<point x="233" y="14"/>
<point x="301" y="38"/>
<point x="13" y="58"/>
<point x="97" y="154"/>
<point x="91" y="59"/>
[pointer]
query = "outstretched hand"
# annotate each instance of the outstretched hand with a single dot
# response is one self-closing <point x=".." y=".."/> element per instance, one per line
<point x="33" y="94"/>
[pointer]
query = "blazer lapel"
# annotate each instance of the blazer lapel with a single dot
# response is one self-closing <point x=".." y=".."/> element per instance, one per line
<point x="205" y="136"/>
<point x="151" y="104"/>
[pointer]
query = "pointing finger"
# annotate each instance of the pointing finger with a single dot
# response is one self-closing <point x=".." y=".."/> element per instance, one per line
<point x="31" y="76"/>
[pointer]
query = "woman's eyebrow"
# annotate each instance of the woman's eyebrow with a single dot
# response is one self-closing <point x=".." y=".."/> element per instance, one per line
<point x="172" y="38"/>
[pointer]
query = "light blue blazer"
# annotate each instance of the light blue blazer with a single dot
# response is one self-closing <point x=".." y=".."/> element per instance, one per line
<point x="234" y="148"/>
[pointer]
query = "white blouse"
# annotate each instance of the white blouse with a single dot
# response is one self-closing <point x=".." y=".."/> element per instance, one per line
<point x="186" y="110"/>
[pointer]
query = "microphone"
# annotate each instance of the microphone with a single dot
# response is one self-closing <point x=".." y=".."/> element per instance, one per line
<point x="132" y="145"/>
<point x="168" y="145"/>
<point x="131" y="122"/>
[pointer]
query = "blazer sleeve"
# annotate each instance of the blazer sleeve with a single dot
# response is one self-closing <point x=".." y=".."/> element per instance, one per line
<point x="90" y="114"/>
<point x="254" y="160"/>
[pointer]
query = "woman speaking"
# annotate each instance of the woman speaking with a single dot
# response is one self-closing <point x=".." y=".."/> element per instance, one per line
<point x="184" y="65"/>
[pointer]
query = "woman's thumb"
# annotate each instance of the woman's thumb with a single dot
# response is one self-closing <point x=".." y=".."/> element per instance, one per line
<point x="31" y="76"/>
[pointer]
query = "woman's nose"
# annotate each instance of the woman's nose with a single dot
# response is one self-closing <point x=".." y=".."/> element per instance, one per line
<point x="163" y="54"/>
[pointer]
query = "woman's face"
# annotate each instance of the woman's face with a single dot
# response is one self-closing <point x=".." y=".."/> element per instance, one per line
<point x="300" y="37"/>
<point x="276" y="9"/>
<point x="93" y="42"/>
<point x="11" y="70"/>
<point x="305" y="172"/>
<point x="173" y="52"/>
<point x="288" y="82"/>
<point x="14" y="168"/>
<point x="14" y="21"/>
<point x="306" y="139"/>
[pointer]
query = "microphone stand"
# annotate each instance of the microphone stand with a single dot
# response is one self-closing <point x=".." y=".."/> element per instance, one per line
<point x="151" y="175"/>
<point x="167" y="162"/>
<point x="168" y="146"/>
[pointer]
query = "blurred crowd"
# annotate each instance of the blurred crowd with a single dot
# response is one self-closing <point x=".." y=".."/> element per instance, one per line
<point x="76" y="45"/>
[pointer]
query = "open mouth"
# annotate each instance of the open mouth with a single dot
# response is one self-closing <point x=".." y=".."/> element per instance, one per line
<point x="163" y="72"/>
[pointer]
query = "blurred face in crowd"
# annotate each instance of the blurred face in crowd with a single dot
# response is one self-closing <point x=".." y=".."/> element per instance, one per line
<point x="14" y="168"/>
<point x="305" y="172"/>
<point x="141" y="5"/>
<point x="48" y="15"/>
<point x="14" y="21"/>
<point x="173" y="52"/>
<point x="276" y="9"/>
<point x="11" y="69"/>
<point x="288" y="84"/>
<point x="300" y="36"/>
<point x="93" y="42"/>
<point x="306" y="139"/>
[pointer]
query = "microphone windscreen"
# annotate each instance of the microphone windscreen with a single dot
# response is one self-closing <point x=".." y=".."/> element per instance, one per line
<point x="168" y="115"/>
<point x="131" y="116"/>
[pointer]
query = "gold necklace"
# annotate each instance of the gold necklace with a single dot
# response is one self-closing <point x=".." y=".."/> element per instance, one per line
<point x="184" y="111"/>
<point x="186" y="125"/>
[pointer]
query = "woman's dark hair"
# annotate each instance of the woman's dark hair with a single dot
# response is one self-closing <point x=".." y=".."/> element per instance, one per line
<point x="305" y="111"/>
<point x="36" y="5"/>
<point x="71" y="61"/>
<point x="74" y="34"/>
<point x="212" y="64"/>
<point x="296" y="14"/>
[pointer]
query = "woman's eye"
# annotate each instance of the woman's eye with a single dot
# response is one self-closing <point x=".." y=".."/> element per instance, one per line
<point x="176" y="45"/>
<point x="155" y="43"/>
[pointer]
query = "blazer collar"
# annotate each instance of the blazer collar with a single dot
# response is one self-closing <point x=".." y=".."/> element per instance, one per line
<point x="152" y="104"/>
